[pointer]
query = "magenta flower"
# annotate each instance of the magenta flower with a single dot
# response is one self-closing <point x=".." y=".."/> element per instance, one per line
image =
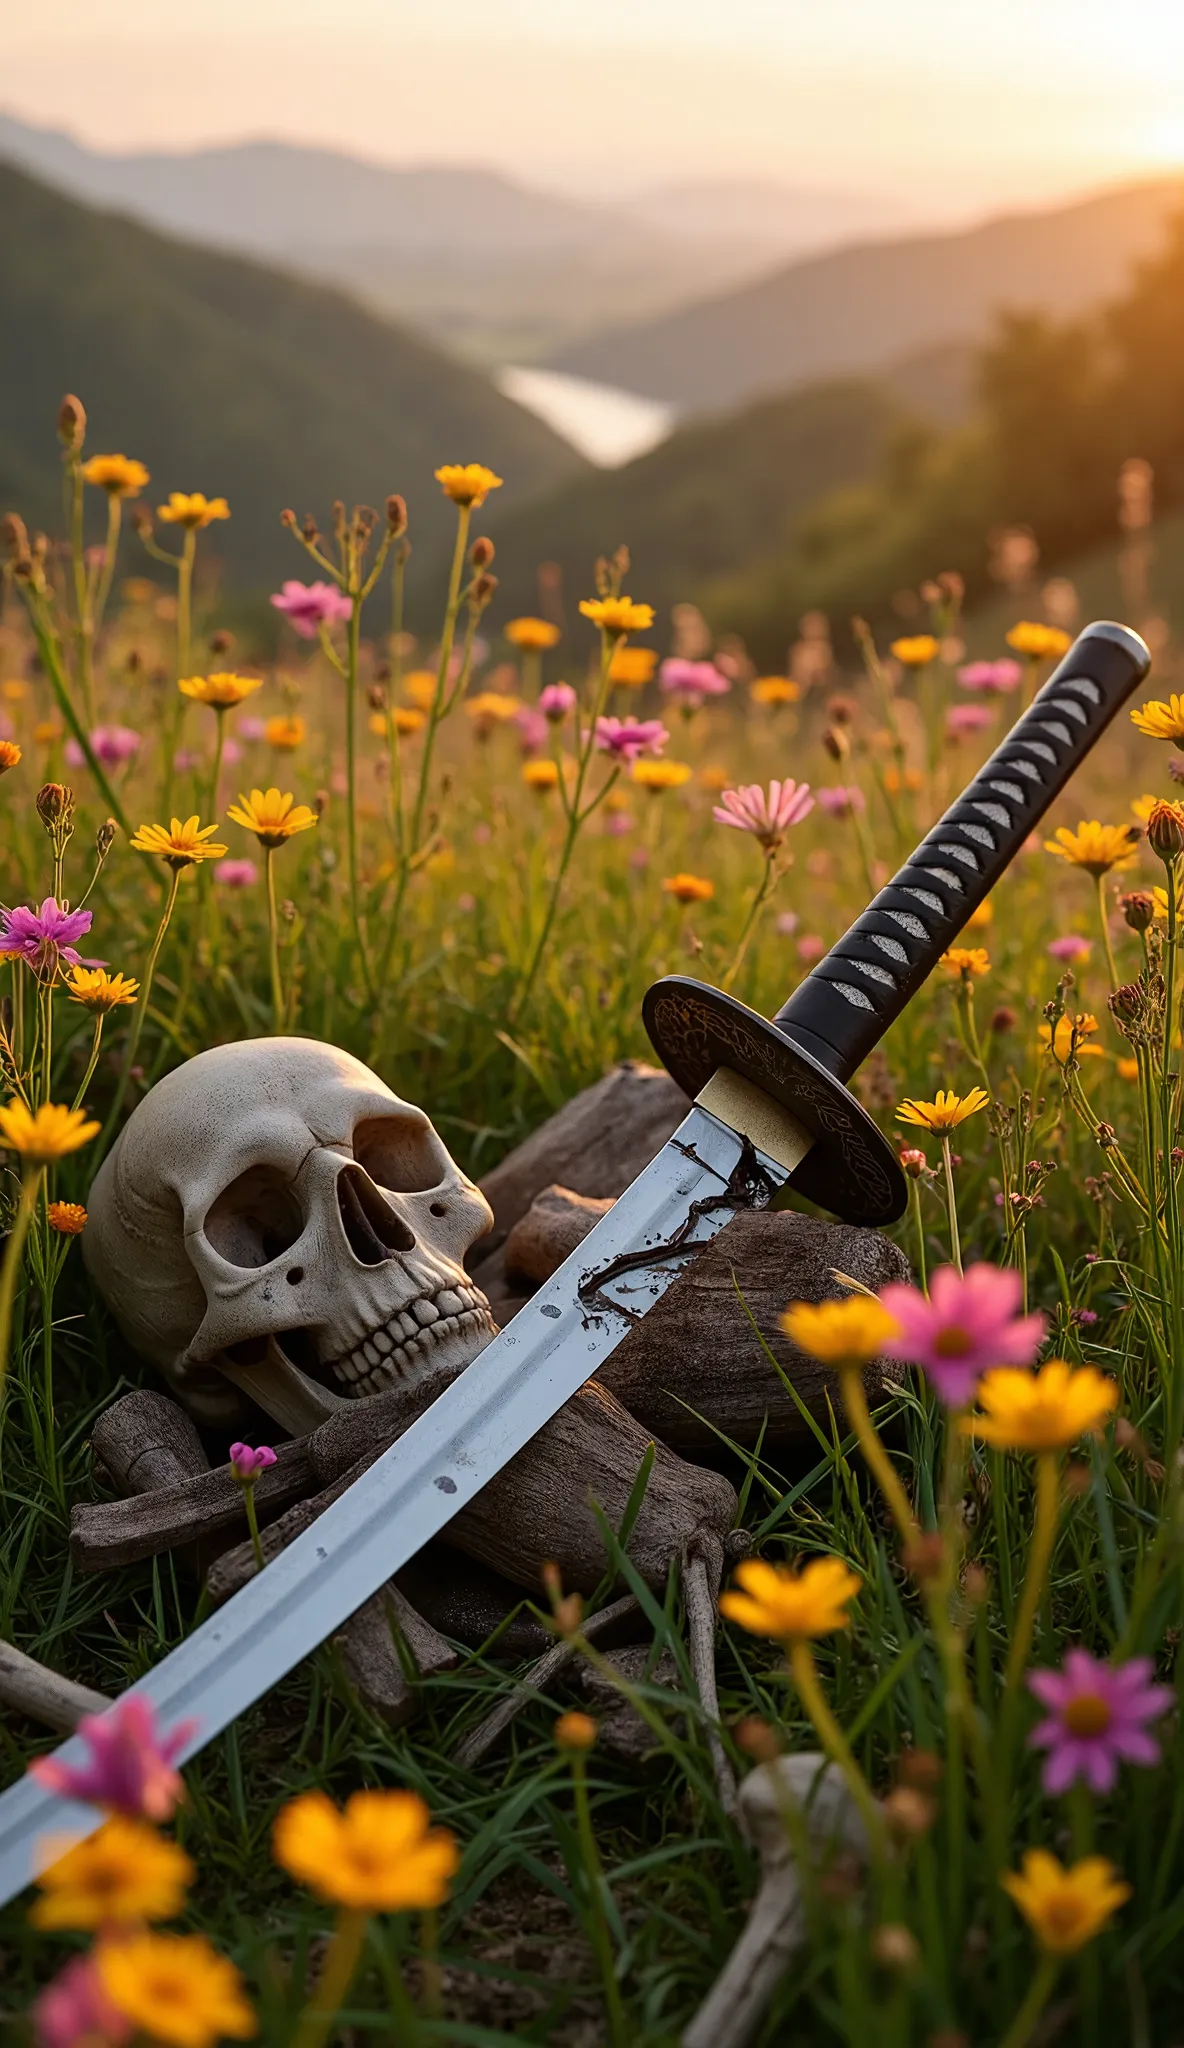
<point x="962" y="719"/>
<point x="810" y="948"/>
<point x="131" y="1765"/>
<point x="75" y="2012"/>
<point x="998" y="676"/>
<point x="840" y="802"/>
<point x="626" y="739"/>
<point x="556" y="701"/>
<point x="236" y="874"/>
<point x="247" y="1464"/>
<point x="1097" y="1715"/>
<point x="309" y="606"/>
<point x="786" y="922"/>
<point x="969" y="1324"/>
<point x="113" y="746"/>
<point x="690" y="683"/>
<point x="252" y="728"/>
<point x="1071" y="947"/>
<point x="618" y="824"/>
<point x="532" y="729"/>
<point x="769" y="817"/>
<point x="45" y="936"/>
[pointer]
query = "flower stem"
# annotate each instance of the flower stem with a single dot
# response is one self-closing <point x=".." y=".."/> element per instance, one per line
<point x="341" y="1961"/>
<point x="253" y="1523"/>
<point x="91" y="1064"/>
<point x="855" y="1403"/>
<point x="833" y="1740"/>
<point x="1023" y="2025"/>
<point x="1104" y="921"/>
<point x="1043" y="1536"/>
<point x="598" y="1924"/>
<point x="760" y="898"/>
<point x="273" y="944"/>
<point x="951" y="1203"/>
<point x="13" y="1253"/>
<point x="141" y="1011"/>
<point x="919" y="1227"/>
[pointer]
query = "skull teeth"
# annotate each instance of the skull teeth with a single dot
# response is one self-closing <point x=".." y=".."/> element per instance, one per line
<point x="391" y="1353"/>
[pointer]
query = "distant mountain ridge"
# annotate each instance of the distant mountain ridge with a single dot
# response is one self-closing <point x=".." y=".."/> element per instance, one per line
<point x="855" y="309"/>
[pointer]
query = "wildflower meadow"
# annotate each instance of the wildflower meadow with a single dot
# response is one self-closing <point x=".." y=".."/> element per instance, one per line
<point x="462" y="853"/>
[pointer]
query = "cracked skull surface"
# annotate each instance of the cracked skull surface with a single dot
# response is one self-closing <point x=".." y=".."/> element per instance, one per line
<point x="274" y="1220"/>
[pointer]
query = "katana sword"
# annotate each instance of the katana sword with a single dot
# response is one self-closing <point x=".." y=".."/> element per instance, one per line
<point x="770" y="1106"/>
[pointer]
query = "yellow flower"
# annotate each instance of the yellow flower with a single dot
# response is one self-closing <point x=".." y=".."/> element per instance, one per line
<point x="944" y="1114"/>
<point x="1127" y="1069"/>
<point x="10" y="755"/>
<point x="659" y="775"/>
<point x="1142" y="806"/>
<point x="915" y="650"/>
<point x="175" y="1989"/>
<point x="47" y="732"/>
<point x="533" y="636"/>
<point x="221" y="691"/>
<point x="489" y="708"/>
<point x="121" y="476"/>
<point x="97" y="990"/>
<point x="270" y="816"/>
<point x="845" y="1334"/>
<point x="965" y="961"/>
<point x="1041" y="1411"/>
<point x="467" y="483"/>
<point x="67" y="1218"/>
<point x="894" y="781"/>
<point x="1060" y="1042"/>
<point x="420" y="685"/>
<point x="1038" y="642"/>
<point x="192" y="509"/>
<point x="712" y="777"/>
<point x="381" y="1855"/>
<point x="123" y="1873"/>
<point x="1161" y="721"/>
<point x="285" y="734"/>
<point x="982" y="914"/>
<point x="633" y="667"/>
<point x="574" y="1731"/>
<point x="541" y="775"/>
<point x="181" y="844"/>
<point x="1065" y="1908"/>
<point x="775" y="1601"/>
<point x="405" y="721"/>
<point x="774" y="690"/>
<point x="616" y="615"/>
<point x="15" y="690"/>
<point x="689" y="888"/>
<point x="1096" y="848"/>
<point x="52" y="1132"/>
<point x="1160" y="899"/>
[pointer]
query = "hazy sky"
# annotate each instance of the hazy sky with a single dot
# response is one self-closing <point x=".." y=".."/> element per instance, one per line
<point x="952" y="104"/>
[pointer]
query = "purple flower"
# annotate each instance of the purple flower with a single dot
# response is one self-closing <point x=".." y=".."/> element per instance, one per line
<point x="968" y="1325"/>
<point x="626" y="739"/>
<point x="532" y="729"/>
<point x="251" y="728"/>
<point x="75" y="2012"/>
<point x="246" y="1464"/>
<point x="1096" y="1719"/>
<point x="45" y="936"/>
<point x="556" y="701"/>
<point x="1071" y="947"/>
<point x="691" y="682"/>
<point x="131" y="1765"/>
<point x="999" y="675"/>
<point x="966" y="718"/>
<point x="1083" y="1317"/>
<point x="840" y="802"/>
<point x="112" y="744"/>
<point x="236" y="874"/>
<point x="309" y="606"/>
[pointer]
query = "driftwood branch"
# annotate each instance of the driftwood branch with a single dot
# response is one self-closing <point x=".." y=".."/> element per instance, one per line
<point x="108" y="1533"/>
<point x="481" y="1739"/>
<point x="27" y="1687"/>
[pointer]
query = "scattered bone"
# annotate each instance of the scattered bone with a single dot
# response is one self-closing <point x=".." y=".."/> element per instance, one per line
<point x="117" y="1532"/>
<point x="481" y="1739"/>
<point x="371" y="1656"/>
<point x="144" y="1441"/>
<point x="44" y="1695"/>
<point x="555" y="1223"/>
<point x="732" y="2013"/>
<point x="702" y="1571"/>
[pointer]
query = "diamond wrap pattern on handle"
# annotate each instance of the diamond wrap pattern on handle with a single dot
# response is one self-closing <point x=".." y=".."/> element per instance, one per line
<point x="846" y="1004"/>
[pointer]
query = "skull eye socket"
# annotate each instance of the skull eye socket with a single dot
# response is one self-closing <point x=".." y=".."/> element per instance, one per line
<point x="401" y="1155"/>
<point x="254" y="1220"/>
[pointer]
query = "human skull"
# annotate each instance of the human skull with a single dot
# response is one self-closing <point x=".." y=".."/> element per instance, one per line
<point x="274" y="1219"/>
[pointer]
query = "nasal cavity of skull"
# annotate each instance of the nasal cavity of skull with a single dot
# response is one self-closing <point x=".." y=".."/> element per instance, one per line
<point x="401" y="1153"/>
<point x="254" y="1220"/>
<point x="370" y="1225"/>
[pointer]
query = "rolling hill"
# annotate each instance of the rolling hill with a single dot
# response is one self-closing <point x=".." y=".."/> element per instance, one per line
<point x="228" y="377"/>
<point x="855" y="309"/>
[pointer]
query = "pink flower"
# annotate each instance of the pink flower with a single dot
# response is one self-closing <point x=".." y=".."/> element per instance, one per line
<point x="1071" y="947"/>
<point x="532" y="729"/>
<point x="186" y="759"/>
<point x="1096" y="1719"/>
<point x="131" y="1766"/>
<point x="639" y="859"/>
<point x="247" y="1464"/>
<point x="309" y="606"/>
<point x="787" y="922"/>
<point x="556" y="701"/>
<point x="251" y="728"/>
<point x="232" y="753"/>
<point x="45" y="936"/>
<point x="769" y="817"/>
<point x="691" y="682"/>
<point x="75" y="2012"/>
<point x="112" y="744"/>
<point x="626" y="739"/>
<point x="969" y="1324"/>
<point x="618" y="824"/>
<point x="236" y="874"/>
<point x="999" y="675"/>
<point x="840" y="802"/>
<point x="966" y="718"/>
<point x="810" y="948"/>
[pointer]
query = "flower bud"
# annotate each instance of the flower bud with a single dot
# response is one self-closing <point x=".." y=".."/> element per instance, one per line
<point x="376" y="697"/>
<point x="909" y="1814"/>
<point x="921" y="1768"/>
<point x="14" y="535"/>
<point x="913" y="1161"/>
<point x="1138" y="908"/>
<point x="320" y="802"/>
<point x="574" y="1731"/>
<point x="310" y="531"/>
<point x="1165" y="830"/>
<point x="105" y="837"/>
<point x="481" y="553"/>
<point x="71" y="423"/>
<point x="396" y="514"/>
<point x="756" y="1739"/>
<point x="221" y="642"/>
<point x="365" y="520"/>
<point x="836" y="742"/>
<point x="840" y="710"/>
<point x="1126" y="1003"/>
<point x="1002" y="1020"/>
<point x="288" y="519"/>
<point x="55" y="805"/>
<point x="895" y="1947"/>
<point x="483" y="590"/>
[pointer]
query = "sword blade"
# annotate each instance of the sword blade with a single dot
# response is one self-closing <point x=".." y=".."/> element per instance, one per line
<point x="702" y="1175"/>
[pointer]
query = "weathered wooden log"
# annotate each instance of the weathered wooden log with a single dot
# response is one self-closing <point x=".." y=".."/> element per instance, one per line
<point x="145" y="1441"/>
<point x="116" y="1532"/>
<point x="555" y="1223"/>
<point x="371" y="1656"/>
<point x="27" y="1687"/>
